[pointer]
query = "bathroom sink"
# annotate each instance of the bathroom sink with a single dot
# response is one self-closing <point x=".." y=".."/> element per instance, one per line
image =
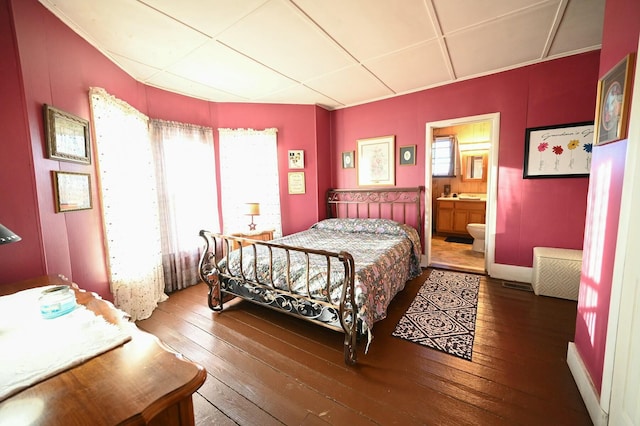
<point x="468" y="197"/>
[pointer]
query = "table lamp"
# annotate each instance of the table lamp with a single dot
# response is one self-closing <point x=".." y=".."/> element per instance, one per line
<point x="252" y="209"/>
<point x="7" y="236"/>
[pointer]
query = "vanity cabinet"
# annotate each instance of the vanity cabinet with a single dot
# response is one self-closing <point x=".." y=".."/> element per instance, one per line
<point x="452" y="217"/>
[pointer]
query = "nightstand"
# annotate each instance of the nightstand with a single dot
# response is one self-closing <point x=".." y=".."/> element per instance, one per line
<point x="253" y="235"/>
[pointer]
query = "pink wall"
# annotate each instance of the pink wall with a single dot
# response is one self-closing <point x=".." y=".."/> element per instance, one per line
<point x="323" y="148"/>
<point x="532" y="212"/>
<point x="608" y="162"/>
<point x="18" y="203"/>
<point x="605" y="191"/>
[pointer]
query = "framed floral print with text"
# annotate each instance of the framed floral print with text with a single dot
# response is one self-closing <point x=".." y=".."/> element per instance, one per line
<point x="612" y="108"/>
<point x="376" y="161"/>
<point x="558" y="151"/>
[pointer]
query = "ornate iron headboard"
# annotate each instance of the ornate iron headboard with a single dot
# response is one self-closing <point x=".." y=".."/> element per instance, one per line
<point x="400" y="204"/>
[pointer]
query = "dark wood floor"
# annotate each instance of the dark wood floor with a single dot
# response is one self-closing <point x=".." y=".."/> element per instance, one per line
<point x="267" y="368"/>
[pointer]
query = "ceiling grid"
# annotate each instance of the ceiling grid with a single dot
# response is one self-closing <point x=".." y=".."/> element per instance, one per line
<point x="334" y="53"/>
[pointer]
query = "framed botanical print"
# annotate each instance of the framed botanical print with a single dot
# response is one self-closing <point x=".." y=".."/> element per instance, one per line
<point x="376" y="161"/>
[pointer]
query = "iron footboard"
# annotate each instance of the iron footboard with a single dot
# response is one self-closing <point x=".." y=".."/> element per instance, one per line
<point x="319" y="308"/>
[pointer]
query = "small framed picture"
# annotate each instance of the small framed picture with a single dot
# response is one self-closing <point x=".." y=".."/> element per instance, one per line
<point x="72" y="191"/>
<point x="296" y="183"/>
<point x="67" y="136"/>
<point x="296" y="159"/>
<point x="408" y="155"/>
<point x="348" y="159"/>
<point x="612" y="109"/>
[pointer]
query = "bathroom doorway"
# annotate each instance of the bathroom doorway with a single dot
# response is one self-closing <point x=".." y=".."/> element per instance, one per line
<point x="480" y="135"/>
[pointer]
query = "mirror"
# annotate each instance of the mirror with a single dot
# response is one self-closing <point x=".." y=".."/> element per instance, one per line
<point x="474" y="167"/>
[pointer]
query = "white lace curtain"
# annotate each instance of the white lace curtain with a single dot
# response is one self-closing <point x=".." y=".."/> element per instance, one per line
<point x="249" y="174"/>
<point x="129" y="204"/>
<point x="187" y="196"/>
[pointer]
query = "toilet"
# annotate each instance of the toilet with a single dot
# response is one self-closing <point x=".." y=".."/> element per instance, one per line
<point x="477" y="232"/>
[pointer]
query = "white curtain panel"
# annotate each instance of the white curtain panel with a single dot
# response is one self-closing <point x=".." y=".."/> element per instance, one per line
<point x="249" y="174"/>
<point x="187" y="196"/>
<point x="129" y="204"/>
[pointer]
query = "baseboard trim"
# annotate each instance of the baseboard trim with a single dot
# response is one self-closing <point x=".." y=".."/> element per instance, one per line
<point x="520" y="274"/>
<point x="589" y="395"/>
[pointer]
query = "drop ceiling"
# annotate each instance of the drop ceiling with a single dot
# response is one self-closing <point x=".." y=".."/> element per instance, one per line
<point x="332" y="53"/>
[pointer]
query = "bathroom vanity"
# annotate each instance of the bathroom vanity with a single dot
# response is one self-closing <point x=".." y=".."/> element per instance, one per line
<point x="453" y="214"/>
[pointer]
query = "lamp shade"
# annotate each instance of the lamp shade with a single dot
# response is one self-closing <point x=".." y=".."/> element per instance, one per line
<point x="252" y="209"/>
<point x="7" y="236"/>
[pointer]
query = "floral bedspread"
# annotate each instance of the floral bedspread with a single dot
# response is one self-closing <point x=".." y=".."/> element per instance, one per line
<point x="386" y="255"/>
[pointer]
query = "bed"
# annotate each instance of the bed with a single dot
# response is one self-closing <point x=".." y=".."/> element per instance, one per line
<point x="341" y="273"/>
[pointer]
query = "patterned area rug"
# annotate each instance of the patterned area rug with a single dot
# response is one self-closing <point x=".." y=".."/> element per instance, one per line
<point x="443" y="314"/>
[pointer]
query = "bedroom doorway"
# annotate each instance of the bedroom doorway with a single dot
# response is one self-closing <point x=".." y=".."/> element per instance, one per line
<point x="451" y="256"/>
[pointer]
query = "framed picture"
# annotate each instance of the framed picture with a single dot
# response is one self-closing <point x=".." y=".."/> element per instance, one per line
<point x="296" y="159"/>
<point x="612" y="108"/>
<point x="376" y="161"/>
<point x="296" y="183"/>
<point x="408" y="155"/>
<point x="67" y="136"/>
<point x="72" y="191"/>
<point x="558" y="151"/>
<point x="348" y="159"/>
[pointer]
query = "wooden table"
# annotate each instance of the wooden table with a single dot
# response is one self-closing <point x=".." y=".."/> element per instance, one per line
<point x="248" y="237"/>
<point x="140" y="382"/>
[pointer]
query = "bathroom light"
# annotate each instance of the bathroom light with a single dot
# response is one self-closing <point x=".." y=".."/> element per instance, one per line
<point x="475" y="146"/>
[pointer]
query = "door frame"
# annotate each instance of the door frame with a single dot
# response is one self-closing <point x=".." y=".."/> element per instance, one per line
<point x="492" y="184"/>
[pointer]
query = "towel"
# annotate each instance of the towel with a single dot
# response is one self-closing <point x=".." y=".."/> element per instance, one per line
<point x="33" y="348"/>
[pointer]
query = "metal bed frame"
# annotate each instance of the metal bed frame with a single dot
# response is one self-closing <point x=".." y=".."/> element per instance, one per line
<point x="388" y="203"/>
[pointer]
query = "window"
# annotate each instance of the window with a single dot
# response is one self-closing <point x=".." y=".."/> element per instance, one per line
<point x="249" y="174"/>
<point x="187" y="196"/>
<point x="443" y="156"/>
<point x="129" y="204"/>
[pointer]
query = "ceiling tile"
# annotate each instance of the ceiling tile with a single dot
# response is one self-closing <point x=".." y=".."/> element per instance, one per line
<point x="217" y="66"/>
<point x="300" y="94"/>
<point x="130" y="29"/>
<point x="454" y="15"/>
<point x="416" y="67"/>
<point x="581" y="27"/>
<point x="140" y="72"/>
<point x="208" y="16"/>
<point x="279" y="36"/>
<point x="350" y="86"/>
<point x="503" y="44"/>
<point x="186" y="87"/>
<point x="368" y="29"/>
